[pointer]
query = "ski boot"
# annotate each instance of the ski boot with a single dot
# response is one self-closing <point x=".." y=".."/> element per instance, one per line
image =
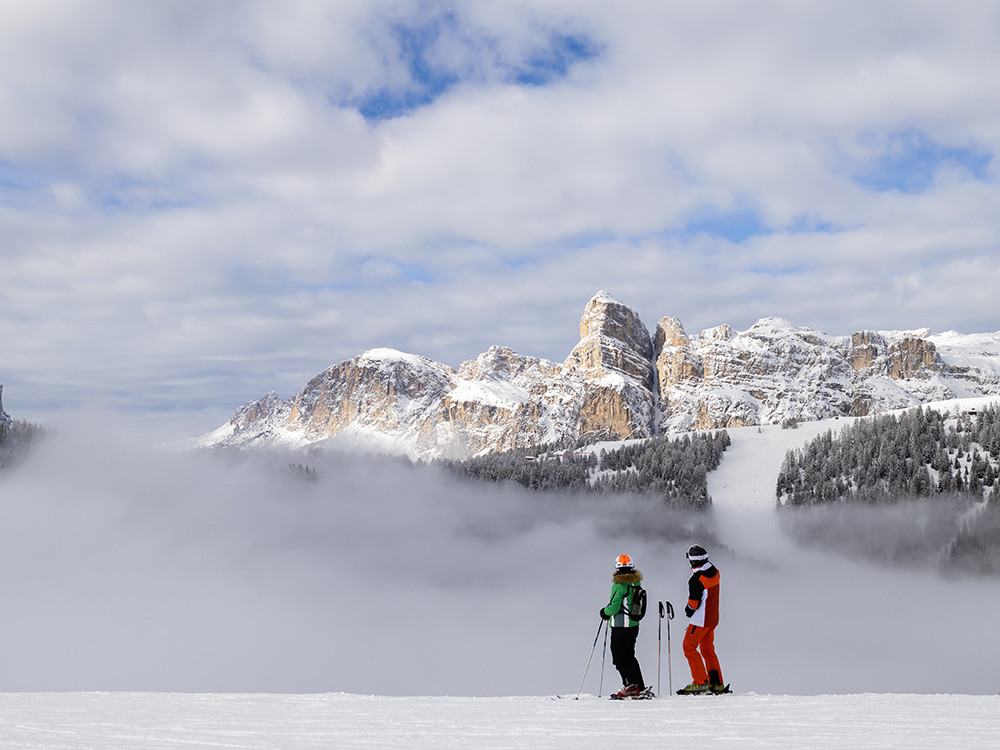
<point x="694" y="689"/>
<point x="629" y="691"/>
<point x="715" y="684"/>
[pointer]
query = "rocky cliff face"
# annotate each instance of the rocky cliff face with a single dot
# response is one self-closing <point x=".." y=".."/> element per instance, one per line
<point x="614" y="361"/>
<point x="617" y="382"/>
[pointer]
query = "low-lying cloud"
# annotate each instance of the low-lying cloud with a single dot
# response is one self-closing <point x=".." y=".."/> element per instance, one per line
<point x="127" y="569"/>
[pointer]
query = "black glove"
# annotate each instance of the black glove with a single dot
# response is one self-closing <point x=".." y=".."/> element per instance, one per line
<point x="687" y="610"/>
<point x="604" y="615"/>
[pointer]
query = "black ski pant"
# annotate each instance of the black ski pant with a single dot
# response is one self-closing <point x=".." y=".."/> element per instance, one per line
<point x="623" y="655"/>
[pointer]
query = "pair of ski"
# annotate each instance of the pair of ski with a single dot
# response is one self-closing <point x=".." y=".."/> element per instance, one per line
<point x="648" y="693"/>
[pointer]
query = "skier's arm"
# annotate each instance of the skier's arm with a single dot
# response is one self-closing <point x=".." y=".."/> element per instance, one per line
<point x="695" y="591"/>
<point x="613" y="607"/>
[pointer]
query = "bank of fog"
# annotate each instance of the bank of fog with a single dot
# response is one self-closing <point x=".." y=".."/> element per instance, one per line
<point x="130" y="569"/>
<point x="950" y="533"/>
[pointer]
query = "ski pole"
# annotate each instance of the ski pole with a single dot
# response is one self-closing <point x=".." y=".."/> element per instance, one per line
<point x="670" y="675"/>
<point x="592" y="649"/>
<point x="604" y="653"/>
<point x="659" y="647"/>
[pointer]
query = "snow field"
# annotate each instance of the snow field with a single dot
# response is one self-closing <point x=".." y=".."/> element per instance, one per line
<point x="155" y="721"/>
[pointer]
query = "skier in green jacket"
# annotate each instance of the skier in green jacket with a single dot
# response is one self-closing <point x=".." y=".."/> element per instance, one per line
<point x="624" y="629"/>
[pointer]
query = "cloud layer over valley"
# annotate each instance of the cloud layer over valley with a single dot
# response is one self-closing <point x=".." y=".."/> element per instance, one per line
<point x="212" y="572"/>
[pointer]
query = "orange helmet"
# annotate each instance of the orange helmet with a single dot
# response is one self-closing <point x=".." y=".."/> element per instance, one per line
<point x="623" y="561"/>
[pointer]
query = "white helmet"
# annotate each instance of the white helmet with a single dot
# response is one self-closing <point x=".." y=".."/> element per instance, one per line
<point x="696" y="554"/>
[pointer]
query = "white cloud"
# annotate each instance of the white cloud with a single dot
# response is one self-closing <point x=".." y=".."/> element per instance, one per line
<point x="190" y="193"/>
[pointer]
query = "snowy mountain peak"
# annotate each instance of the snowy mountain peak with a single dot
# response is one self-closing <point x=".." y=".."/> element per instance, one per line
<point x="619" y="382"/>
<point x="775" y="323"/>
<point x="603" y="297"/>
<point x="384" y="356"/>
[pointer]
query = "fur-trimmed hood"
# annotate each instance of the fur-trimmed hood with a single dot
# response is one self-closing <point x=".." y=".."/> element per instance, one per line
<point x="634" y="577"/>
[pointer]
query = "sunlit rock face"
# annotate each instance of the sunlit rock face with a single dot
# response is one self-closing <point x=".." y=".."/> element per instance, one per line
<point x="613" y="340"/>
<point x="382" y="391"/>
<point x="614" y="361"/>
<point x="905" y="356"/>
<point x="618" y="382"/>
<point x="898" y="357"/>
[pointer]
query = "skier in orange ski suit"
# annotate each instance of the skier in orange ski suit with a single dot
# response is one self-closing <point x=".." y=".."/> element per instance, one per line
<point x="702" y="610"/>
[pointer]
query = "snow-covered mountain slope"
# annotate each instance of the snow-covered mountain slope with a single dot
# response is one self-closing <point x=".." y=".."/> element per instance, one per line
<point x="125" y="721"/>
<point x="619" y="382"/>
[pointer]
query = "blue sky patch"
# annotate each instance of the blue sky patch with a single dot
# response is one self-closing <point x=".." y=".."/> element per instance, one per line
<point x="552" y="63"/>
<point x="123" y="193"/>
<point x="588" y="239"/>
<point x="808" y="225"/>
<point x="777" y="272"/>
<point x="909" y="161"/>
<point x="416" y="273"/>
<point x="18" y="184"/>
<point x="735" y="226"/>
<point x="13" y="177"/>
<point x="429" y="79"/>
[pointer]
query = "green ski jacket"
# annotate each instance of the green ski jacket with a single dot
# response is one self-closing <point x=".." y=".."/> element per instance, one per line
<point x="623" y="589"/>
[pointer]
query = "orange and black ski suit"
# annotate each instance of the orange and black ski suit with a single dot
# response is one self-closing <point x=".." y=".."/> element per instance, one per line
<point x="703" y="611"/>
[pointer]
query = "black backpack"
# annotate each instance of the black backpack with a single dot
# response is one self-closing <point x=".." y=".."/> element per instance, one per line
<point x="637" y="610"/>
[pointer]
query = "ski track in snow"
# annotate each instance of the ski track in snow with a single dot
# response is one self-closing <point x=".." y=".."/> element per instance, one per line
<point x="151" y="721"/>
<point x="743" y="487"/>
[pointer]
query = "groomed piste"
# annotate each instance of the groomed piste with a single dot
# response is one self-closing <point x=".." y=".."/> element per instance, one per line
<point x="155" y="721"/>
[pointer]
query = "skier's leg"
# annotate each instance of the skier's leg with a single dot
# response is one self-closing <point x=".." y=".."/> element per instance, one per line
<point x="632" y="664"/>
<point x="619" y="652"/>
<point x="711" y="660"/>
<point x="692" y="639"/>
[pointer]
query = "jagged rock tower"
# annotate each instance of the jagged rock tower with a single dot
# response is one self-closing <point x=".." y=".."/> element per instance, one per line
<point x="614" y="359"/>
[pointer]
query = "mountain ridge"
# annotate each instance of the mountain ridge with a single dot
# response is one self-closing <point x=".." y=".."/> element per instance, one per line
<point x="618" y="382"/>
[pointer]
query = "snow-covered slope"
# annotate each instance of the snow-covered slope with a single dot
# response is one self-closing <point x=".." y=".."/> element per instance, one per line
<point x="150" y="721"/>
<point x="619" y="382"/>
